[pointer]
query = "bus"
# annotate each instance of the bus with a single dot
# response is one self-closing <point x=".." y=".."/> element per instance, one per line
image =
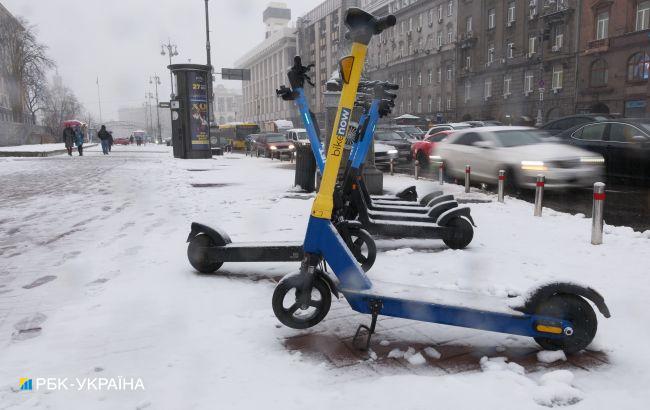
<point x="233" y="134"/>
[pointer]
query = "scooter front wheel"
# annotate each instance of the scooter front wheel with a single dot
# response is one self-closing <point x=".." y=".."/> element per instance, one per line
<point x="576" y="310"/>
<point x="460" y="233"/>
<point x="197" y="255"/>
<point x="289" y="311"/>
<point x="363" y="248"/>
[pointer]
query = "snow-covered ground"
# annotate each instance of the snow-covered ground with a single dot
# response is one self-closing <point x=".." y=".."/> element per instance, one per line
<point x="34" y="148"/>
<point x="93" y="270"/>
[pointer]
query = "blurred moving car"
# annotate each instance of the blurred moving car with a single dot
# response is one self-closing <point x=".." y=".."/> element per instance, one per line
<point x="484" y="123"/>
<point x="272" y="145"/>
<point x="565" y="123"/>
<point x="624" y="143"/>
<point x="384" y="153"/>
<point x="121" y="141"/>
<point x="446" y="127"/>
<point x="423" y="150"/>
<point x="390" y="137"/>
<point x="523" y="153"/>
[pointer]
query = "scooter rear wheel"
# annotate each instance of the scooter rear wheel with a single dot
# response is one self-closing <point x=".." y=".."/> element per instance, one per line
<point x="288" y="310"/>
<point x="197" y="255"/>
<point x="363" y="248"/>
<point x="460" y="234"/>
<point x="576" y="310"/>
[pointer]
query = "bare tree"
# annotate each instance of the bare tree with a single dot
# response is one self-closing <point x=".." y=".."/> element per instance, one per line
<point x="25" y="63"/>
<point x="60" y="104"/>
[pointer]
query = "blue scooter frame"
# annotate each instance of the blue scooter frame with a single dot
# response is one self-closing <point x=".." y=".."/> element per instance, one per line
<point x="556" y="315"/>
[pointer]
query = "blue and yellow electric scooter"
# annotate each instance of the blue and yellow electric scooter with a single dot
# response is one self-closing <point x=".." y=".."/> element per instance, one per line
<point x="557" y="316"/>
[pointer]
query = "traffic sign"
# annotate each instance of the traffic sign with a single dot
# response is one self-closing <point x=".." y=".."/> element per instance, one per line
<point x="163" y="104"/>
<point x="241" y="74"/>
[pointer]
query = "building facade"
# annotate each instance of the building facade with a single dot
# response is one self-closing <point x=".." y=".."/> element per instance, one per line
<point x="419" y="55"/>
<point x="615" y="57"/>
<point x="227" y="104"/>
<point x="320" y="42"/>
<point x="11" y="94"/>
<point x="269" y="62"/>
<point x="517" y="60"/>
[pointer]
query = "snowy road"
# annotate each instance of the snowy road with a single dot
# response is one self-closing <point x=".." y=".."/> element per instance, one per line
<point x="94" y="283"/>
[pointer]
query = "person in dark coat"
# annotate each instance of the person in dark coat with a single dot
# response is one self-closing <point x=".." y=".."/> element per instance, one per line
<point x="110" y="140"/>
<point x="68" y="138"/>
<point x="79" y="139"/>
<point x="105" y="138"/>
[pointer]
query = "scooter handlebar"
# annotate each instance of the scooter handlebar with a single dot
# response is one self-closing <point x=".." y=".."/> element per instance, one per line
<point x="384" y="23"/>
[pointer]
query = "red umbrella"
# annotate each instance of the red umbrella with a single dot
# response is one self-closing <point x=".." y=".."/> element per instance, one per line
<point x="73" y="123"/>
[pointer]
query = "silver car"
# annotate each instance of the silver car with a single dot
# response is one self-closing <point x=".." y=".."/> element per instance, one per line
<point x="522" y="153"/>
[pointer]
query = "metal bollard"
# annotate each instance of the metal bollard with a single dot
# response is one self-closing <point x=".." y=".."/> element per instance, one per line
<point x="392" y="167"/>
<point x="417" y="169"/>
<point x="502" y="180"/>
<point x="441" y="173"/>
<point x="539" y="194"/>
<point x="468" y="171"/>
<point x="597" y="214"/>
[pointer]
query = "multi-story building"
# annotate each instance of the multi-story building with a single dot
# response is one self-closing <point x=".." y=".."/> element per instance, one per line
<point x="227" y="104"/>
<point x="419" y="54"/>
<point x="517" y="60"/>
<point x="9" y="99"/>
<point x="268" y="63"/>
<point x="320" y="42"/>
<point x="615" y="57"/>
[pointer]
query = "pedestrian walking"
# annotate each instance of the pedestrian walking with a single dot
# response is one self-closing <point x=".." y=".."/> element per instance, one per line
<point x="131" y="139"/>
<point x="79" y="139"/>
<point x="68" y="138"/>
<point x="110" y="141"/>
<point x="104" y="137"/>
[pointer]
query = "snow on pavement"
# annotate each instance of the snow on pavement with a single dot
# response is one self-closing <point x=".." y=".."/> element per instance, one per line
<point x="95" y="282"/>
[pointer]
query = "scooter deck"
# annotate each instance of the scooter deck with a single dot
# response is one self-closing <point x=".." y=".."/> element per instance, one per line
<point x="434" y="296"/>
<point x="399" y="216"/>
<point x="257" y="252"/>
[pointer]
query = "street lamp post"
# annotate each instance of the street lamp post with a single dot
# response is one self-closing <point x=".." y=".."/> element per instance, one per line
<point x="210" y="75"/>
<point x="172" y="51"/>
<point x="156" y="80"/>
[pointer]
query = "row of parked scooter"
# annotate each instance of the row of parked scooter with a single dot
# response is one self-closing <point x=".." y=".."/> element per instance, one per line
<point x="345" y="217"/>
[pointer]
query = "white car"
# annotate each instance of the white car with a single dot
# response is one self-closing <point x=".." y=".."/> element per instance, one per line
<point x="522" y="153"/>
<point x="298" y="136"/>
<point x="447" y="127"/>
<point x="384" y="153"/>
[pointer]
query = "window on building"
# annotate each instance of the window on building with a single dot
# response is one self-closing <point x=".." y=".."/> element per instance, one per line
<point x="558" y="76"/>
<point x="439" y="39"/>
<point x="402" y="26"/>
<point x="450" y="8"/>
<point x="532" y="10"/>
<point x="450" y="73"/>
<point x="430" y="76"/>
<point x="510" y="50"/>
<point x="411" y="24"/>
<point x="401" y="107"/>
<point x="409" y="79"/>
<point x="468" y="24"/>
<point x="638" y="66"/>
<point x="598" y="73"/>
<point x="468" y="90"/>
<point x="430" y="17"/>
<point x="490" y="53"/>
<point x="492" y="17"/>
<point x="487" y="92"/>
<point x="419" y="77"/>
<point x="420" y="21"/>
<point x="532" y="43"/>
<point x="401" y="80"/>
<point x="410" y="106"/>
<point x="507" y="80"/>
<point x="468" y="62"/>
<point x="439" y="75"/>
<point x="430" y="104"/>
<point x="559" y="40"/>
<point x="440" y="13"/>
<point x="419" y="104"/>
<point x="410" y="48"/>
<point x="511" y="12"/>
<point x="439" y="103"/>
<point x="529" y="78"/>
<point x="450" y="36"/>
<point x="448" y="102"/>
<point x="643" y="15"/>
<point x="602" y="25"/>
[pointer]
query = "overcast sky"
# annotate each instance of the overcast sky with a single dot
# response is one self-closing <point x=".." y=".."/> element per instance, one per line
<point x="119" y="41"/>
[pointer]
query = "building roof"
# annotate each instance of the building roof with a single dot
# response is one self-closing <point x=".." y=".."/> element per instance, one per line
<point x="274" y="40"/>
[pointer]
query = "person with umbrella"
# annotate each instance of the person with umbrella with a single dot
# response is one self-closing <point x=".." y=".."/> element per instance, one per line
<point x="68" y="138"/>
<point x="79" y="139"/>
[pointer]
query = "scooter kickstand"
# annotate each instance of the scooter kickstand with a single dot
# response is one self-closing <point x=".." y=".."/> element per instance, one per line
<point x="375" y="308"/>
